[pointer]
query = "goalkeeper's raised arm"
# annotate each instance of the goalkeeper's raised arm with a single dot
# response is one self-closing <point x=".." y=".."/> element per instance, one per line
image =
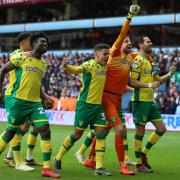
<point x="133" y="10"/>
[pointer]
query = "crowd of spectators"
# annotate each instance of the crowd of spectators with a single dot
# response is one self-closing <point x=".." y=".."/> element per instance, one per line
<point x="84" y="9"/>
<point x="64" y="88"/>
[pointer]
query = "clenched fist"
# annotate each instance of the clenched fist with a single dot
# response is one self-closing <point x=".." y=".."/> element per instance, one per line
<point x="134" y="9"/>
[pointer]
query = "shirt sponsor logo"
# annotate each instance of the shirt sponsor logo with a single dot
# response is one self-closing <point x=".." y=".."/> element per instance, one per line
<point x="34" y="69"/>
<point x="147" y="72"/>
<point x="100" y="73"/>
<point x="125" y="62"/>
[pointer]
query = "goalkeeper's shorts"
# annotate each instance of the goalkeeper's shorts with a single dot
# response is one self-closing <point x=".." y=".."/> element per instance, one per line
<point x="112" y="107"/>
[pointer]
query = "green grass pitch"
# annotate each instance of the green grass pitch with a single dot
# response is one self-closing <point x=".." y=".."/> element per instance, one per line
<point x="164" y="158"/>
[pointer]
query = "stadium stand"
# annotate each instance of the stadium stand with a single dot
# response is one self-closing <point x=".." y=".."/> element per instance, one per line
<point x="66" y="35"/>
<point x="64" y="88"/>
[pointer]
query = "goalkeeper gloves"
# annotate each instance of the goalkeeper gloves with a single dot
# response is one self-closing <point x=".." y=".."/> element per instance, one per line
<point x="133" y="10"/>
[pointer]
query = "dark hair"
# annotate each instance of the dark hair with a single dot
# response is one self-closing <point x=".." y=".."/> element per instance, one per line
<point x="35" y="36"/>
<point x="22" y="36"/>
<point x="139" y="40"/>
<point x="101" y="46"/>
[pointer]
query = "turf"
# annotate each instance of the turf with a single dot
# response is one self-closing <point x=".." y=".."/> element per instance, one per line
<point x="164" y="158"/>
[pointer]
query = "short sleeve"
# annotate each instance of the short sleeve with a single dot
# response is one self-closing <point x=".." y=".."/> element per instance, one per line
<point x="136" y="68"/>
<point x="17" y="59"/>
<point x="88" y="66"/>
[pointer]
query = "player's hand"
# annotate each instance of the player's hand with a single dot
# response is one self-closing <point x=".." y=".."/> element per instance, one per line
<point x="155" y="84"/>
<point x="65" y="61"/>
<point x="172" y="69"/>
<point x="48" y="103"/>
<point x="134" y="9"/>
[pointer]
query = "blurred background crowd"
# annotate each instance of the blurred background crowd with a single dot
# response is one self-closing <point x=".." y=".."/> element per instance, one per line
<point x="64" y="88"/>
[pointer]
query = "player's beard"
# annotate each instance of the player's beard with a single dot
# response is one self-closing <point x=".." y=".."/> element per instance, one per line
<point x="148" y="50"/>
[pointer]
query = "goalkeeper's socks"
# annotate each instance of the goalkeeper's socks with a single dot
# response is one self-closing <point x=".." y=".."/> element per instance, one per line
<point x="119" y="146"/>
<point x="153" y="138"/>
<point x="100" y="151"/>
<point x="92" y="152"/>
<point x="67" y="144"/>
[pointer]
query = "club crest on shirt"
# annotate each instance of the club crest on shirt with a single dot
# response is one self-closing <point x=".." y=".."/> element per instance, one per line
<point x="135" y="65"/>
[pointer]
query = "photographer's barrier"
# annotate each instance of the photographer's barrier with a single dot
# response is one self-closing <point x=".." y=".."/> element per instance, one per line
<point x="172" y="122"/>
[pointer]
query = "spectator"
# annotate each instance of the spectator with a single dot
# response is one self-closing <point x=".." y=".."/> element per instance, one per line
<point x="64" y="87"/>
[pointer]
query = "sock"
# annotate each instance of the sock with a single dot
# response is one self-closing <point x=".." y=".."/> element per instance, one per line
<point x="125" y="147"/>
<point x="32" y="139"/>
<point x="119" y="145"/>
<point x="15" y="144"/>
<point x="3" y="142"/>
<point x="138" y="147"/>
<point x="67" y="144"/>
<point x="46" y="147"/>
<point x="153" y="138"/>
<point x="17" y="154"/>
<point x="9" y="154"/>
<point x="92" y="152"/>
<point x="88" y="140"/>
<point x="100" y="150"/>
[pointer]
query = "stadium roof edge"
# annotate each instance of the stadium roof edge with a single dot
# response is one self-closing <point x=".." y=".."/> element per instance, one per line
<point x="90" y="23"/>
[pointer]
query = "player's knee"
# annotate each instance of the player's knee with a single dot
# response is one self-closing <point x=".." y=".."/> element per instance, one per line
<point x="9" y="134"/>
<point x="34" y="131"/>
<point x="25" y="127"/>
<point x="78" y="134"/>
<point x="162" y="129"/>
<point x="101" y="135"/>
<point x="45" y="132"/>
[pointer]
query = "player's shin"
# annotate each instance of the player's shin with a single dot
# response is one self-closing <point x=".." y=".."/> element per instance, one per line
<point x="100" y="148"/>
<point x="5" y="138"/>
<point x="119" y="145"/>
<point x="15" y="144"/>
<point x="138" y="147"/>
<point x="32" y="138"/>
<point x="46" y="147"/>
<point x="153" y="138"/>
<point x="67" y="144"/>
<point x="88" y="140"/>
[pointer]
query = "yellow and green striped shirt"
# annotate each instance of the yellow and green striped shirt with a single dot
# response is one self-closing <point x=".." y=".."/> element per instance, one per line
<point x="93" y="80"/>
<point x="29" y="72"/>
<point x="12" y="75"/>
<point x="142" y="71"/>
